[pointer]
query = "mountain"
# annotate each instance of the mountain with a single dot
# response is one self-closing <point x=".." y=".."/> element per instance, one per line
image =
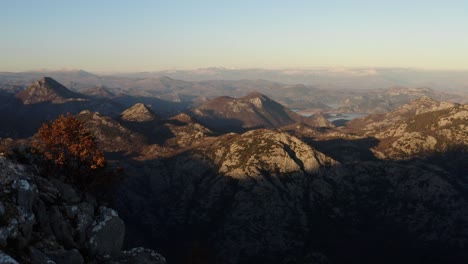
<point x="252" y="111"/>
<point x="138" y="113"/>
<point x="161" y="107"/>
<point x="420" y="128"/>
<point x="21" y="115"/>
<point x="265" y="196"/>
<point x="111" y="136"/>
<point x="246" y="180"/>
<point x="386" y="100"/>
<point x="327" y="78"/>
<point x="260" y="151"/>
<point x="185" y="132"/>
<point x="47" y="90"/>
<point x="325" y="90"/>
<point x="218" y="185"/>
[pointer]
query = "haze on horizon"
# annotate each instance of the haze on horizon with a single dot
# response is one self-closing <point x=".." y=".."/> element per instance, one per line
<point x="157" y="35"/>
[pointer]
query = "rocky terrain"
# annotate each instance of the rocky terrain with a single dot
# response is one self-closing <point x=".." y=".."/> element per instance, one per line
<point x="110" y="134"/>
<point x="420" y="128"/>
<point x="266" y="191"/>
<point x="243" y="179"/>
<point x="252" y="111"/>
<point x="138" y="113"/>
<point x="44" y="220"/>
<point x="47" y="90"/>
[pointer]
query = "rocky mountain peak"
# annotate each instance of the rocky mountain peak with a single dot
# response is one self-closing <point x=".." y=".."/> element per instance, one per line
<point x="421" y="105"/>
<point x="319" y="120"/>
<point x="182" y="117"/>
<point x="46" y="90"/>
<point x="256" y="98"/>
<point x="254" y="110"/>
<point x="138" y="113"/>
<point x="257" y="151"/>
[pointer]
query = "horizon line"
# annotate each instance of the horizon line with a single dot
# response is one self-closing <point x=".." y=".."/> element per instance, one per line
<point x="66" y="69"/>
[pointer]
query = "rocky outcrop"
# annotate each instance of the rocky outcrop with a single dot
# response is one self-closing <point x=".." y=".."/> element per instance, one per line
<point x="268" y="151"/>
<point x="327" y="216"/>
<point x="48" y="221"/>
<point x="416" y="107"/>
<point x="138" y="113"/>
<point x="265" y="196"/>
<point x="229" y="199"/>
<point x="110" y="134"/>
<point x="421" y="128"/>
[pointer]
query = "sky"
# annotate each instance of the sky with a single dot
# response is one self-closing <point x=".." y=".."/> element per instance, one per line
<point x="151" y="35"/>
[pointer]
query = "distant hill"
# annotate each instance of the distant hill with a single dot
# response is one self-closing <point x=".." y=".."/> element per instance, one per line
<point x="138" y="113"/>
<point x="252" y="111"/>
<point x="47" y="90"/>
<point x="420" y="128"/>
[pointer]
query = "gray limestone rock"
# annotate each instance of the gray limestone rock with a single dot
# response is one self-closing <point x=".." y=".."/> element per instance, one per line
<point x="25" y="221"/>
<point x="47" y="221"/>
<point x="42" y="217"/>
<point x="26" y="193"/>
<point x="61" y="228"/>
<point x="107" y="233"/>
<point x="6" y="259"/>
<point x="68" y="193"/>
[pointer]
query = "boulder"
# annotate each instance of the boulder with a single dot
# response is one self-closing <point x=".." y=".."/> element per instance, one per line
<point x="68" y="193"/>
<point x="107" y="233"/>
<point x="6" y="259"/>
<point x="61" y="228"/>
<point x="26" y="193"/>
<point x="43" y="220"/>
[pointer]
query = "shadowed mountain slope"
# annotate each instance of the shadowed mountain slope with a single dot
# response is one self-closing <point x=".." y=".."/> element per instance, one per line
<point x="252" y="111"/>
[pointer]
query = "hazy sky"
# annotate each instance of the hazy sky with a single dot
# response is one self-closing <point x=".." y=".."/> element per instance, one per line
<point x="112" y="35"/>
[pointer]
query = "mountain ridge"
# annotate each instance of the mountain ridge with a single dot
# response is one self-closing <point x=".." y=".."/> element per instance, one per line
<point x="47" y="90"/>
<point x="254" y="110"/>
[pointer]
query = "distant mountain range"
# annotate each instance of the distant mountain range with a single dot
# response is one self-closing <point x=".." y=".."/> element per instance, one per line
<point x="328" y="78"/>
<point x="346" y="96"/>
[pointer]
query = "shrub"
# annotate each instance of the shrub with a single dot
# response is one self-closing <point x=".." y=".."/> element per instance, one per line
<point x="69" y="149"/>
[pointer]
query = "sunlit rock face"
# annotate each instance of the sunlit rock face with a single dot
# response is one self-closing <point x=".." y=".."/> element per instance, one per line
<point x="138" y="113"/>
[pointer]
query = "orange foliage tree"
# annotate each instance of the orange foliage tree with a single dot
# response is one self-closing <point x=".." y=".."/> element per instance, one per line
<point x="69" y="149"/>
